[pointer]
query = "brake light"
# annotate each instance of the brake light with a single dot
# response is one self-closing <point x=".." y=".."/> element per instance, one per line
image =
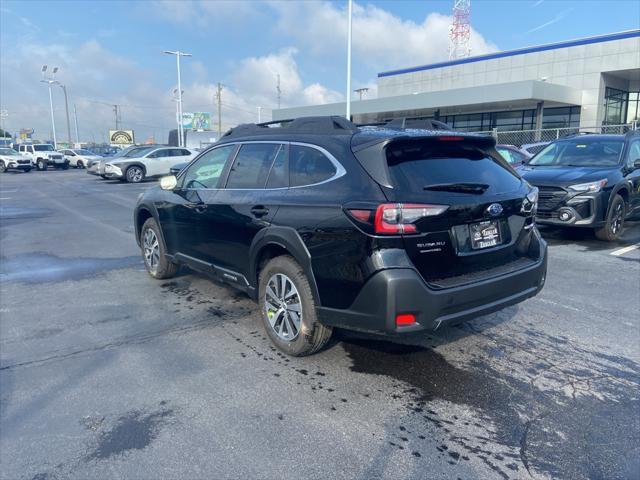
<point x="399" y="218"/>
<point x="450" y="138"/>
<point x="405" y="319"/>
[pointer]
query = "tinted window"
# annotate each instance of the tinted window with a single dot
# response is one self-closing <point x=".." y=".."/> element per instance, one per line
<point x="161" y="154"/>
<point x="278" y="177"/>
<point x="420" y="167"/>
<point x="506" y="154"/>
<point x="252" y="165"/>
<point x="580" y="153"/>
<point x="206" y="171"/>
<point x="308" y="166"/>
<point x="184" y="152"/>
<point x="634" y="153"/>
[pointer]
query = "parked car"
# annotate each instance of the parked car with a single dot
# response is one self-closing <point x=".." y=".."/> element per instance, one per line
<point x="12" y="160"/>
<point x="146" y="163"/>
<point x="43" y="155"/>
<point x="79" y="158"/>
<point x="589" y="181"/>
<point x="533" y="148"/>
<point x="175" y="170"/>
<point x="513" y="154"/>
<point x="98" y="167"/>
<point x="327" y="225"/>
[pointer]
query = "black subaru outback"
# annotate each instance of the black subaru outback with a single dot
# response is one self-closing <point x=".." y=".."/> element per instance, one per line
<point x="588" y="181"/>
<point x="326" y="225"/>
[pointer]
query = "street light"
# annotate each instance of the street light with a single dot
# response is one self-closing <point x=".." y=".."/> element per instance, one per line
<point x="51" y="81"/>
<point x="349" y="60"/>
<point x="179" y="54"/>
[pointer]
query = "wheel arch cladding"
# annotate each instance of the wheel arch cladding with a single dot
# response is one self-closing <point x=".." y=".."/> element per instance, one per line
<point x="623" y="192"/>
<point x="142" y="215"/>
<point x="275" y="241"/>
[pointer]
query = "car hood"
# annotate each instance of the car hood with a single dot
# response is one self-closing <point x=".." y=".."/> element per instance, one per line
<point x="563" y="176"/>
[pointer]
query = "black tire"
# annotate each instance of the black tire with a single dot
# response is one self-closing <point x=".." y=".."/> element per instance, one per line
<point x="134" y="174"/>
<point x="3" y="167"/>
<point x="164" y="268"/>
<point x="65" y="166"/>
<point x="614" y="225"/>
<point x="27" y="170"/>
<point x="41" y="165"/>
<point x="312" y="335"/>
<point x="79" y="164"/>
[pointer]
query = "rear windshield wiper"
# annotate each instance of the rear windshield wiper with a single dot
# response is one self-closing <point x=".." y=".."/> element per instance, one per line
<point x="474" y="188"/>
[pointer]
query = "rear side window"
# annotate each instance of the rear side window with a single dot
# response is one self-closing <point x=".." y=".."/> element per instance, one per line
<point x="308" y="166"/>
<point x="252" y="164"/>
<point x="458" y="170"/>
<point x="278" y="176"/>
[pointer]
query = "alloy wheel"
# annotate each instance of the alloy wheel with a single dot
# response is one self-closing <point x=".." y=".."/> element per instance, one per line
<point x="151" y="249"/>
<point x="134" y="174"/>
<point x="283" y="307"/>
<point x="616" y="221"/>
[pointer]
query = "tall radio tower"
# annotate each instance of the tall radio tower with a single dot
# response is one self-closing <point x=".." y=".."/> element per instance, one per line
<point x="460" y="30"/>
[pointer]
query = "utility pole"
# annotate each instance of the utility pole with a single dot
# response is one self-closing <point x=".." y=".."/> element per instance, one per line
<point x="75" y="117"/>
<point x="361" y="91"/>
<point x="278" y="90"/>
<point x="349" y="61"/>
<point x="179" y="54"/>
<point x="219" y="99"/>
<point x="115" y="110"/>
<point x="51" y="81"/>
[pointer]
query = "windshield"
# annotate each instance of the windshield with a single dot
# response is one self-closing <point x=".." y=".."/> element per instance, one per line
<point x="138" y="152"/>
<point x="582" y="152"/>
<point x="84" y="152"/>
<point x="8" y="151"/>
<point x="43" y="148"/>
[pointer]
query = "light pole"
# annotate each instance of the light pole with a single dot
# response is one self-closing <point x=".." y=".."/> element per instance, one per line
<point x="51" y="81"/>
<point x="66" y="107"/>
<point x="179" y="54"/>
<point x="349" y="61"/>
<point x="75" y="118"/>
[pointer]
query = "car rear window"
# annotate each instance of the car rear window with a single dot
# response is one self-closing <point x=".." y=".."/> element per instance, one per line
<point x="458" y="170"/>
<point x="308" y="166"/>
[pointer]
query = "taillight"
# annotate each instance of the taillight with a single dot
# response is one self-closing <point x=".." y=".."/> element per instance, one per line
<point x="405" y="319"/>
<point x="399" y="218"/>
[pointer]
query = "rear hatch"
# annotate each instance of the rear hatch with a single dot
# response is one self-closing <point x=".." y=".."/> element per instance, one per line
<point x="462" y="205"/>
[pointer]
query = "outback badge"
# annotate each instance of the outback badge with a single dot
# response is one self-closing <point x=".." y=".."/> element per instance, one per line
<point x="494" y="209"/>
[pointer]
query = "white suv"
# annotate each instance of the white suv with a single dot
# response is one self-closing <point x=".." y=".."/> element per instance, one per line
<point x="42" y="155"/>
<point x="79" y="157"/>
<point x="148" y="162"/>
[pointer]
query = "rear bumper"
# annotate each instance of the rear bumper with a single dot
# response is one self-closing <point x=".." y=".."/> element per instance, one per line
<point x="398" y="291"/>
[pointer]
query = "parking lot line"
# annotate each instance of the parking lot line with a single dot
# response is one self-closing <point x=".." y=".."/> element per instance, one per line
<point x="5" y="198"/>
<point x="622" y="251"/>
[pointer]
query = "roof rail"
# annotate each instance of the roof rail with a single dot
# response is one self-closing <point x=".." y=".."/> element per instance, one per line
<point x="402" y="123"/>
<point x="327" y="125"/>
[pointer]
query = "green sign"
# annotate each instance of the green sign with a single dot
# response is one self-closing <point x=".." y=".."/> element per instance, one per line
<point x="197" y="121"/>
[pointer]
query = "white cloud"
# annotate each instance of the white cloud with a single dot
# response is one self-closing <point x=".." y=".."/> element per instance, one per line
<point x="381" y="40"/>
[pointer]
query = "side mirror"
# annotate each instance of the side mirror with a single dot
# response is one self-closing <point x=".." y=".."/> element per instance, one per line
<point x="168" y="183"/>
<point x="636" y="164"/>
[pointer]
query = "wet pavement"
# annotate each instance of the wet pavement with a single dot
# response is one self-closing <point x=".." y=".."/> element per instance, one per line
<point x="105" y="372"/>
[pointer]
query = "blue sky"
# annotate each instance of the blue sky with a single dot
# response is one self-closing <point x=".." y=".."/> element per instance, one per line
<point x="110" y="51"/>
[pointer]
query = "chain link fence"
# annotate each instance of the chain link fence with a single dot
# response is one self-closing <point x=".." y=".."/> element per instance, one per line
<point x="523" y="137"/>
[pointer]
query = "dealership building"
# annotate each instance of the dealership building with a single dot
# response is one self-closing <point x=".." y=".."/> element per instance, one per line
<point x="584" y="83"/>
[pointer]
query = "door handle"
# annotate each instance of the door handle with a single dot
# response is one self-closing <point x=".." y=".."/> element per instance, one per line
<point x="259" y="211"/>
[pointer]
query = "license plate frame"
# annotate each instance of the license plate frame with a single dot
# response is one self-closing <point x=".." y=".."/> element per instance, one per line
<point x="485" y="234"/>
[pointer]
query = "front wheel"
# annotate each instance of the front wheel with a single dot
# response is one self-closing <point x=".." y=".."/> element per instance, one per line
<point x="41" y="165"/>
<point x="614" y="225"/>
<point x="3" y="167"/>
<point x="79" y="164"/>
<point x="27" y="170"/>
<point x="134" y="174"/>
<point x="288" y="309"/>
<point x="65" y="166"/>
<point x="154" y="252"/>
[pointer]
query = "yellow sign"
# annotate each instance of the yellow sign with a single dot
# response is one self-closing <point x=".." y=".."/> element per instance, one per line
<point x="121" y="137"/>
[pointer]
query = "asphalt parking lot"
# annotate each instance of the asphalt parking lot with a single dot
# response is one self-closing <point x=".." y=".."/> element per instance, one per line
<point x="107" y="373"/>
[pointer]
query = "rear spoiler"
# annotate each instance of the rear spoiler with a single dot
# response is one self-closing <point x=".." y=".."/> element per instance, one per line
<point x="372" y="155"/>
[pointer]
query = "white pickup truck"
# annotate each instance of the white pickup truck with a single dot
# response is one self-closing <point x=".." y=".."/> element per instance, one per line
<point x="43" y="155"/>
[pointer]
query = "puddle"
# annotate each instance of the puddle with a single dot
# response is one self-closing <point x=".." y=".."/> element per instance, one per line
<point x="42" y="268"/>
<point x="132" y="431"/>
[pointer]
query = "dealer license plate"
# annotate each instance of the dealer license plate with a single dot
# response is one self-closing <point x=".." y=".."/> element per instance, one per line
<point x="485" y="234"/>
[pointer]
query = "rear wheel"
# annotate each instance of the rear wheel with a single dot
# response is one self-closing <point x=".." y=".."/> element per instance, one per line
<point x="3" y="167"/>
<point x="154" y="252"/>
<point x="27" y="170"/>
<point x="79" y="164"/>
<point x="65" y="166"/>
<point x="614" y="225"/>
<point x="288" y="309"/>
<point x="134" y="174"/>
<point x="41" y="165"/>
